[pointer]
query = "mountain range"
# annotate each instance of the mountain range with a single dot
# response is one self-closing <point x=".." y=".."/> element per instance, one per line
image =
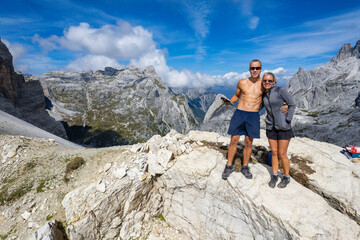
<point x="121" y="106"/>
<point x="327" y="99"/>
<point x="129" y="105"/>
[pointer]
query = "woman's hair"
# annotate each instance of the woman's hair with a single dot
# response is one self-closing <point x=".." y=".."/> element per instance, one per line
<point x="271" y="74"/>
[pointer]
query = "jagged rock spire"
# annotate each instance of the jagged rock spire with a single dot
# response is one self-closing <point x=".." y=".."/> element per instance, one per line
<point x="347" y="51"/>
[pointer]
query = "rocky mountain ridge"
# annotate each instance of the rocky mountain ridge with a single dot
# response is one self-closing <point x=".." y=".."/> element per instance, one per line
<point x="171" y="188"/>
<point x="326" y="99"/>
<point x="113" y="107"/>
<point x="24" y="99"/>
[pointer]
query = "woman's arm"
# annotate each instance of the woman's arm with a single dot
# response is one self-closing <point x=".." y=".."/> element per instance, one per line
<point x="289" y="101"/>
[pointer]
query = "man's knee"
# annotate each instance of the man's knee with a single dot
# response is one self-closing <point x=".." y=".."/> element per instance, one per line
<point x="248" y="142"/>
<point x="234" y="140"/>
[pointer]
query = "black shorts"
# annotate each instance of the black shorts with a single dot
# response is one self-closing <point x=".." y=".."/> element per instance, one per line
<point x="279" y="134"/>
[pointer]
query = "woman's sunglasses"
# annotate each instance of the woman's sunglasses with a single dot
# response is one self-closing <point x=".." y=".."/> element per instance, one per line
<point x="268" y="80"/>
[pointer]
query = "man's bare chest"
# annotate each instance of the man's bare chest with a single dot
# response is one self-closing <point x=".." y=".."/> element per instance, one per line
<point x="253" y="90"/>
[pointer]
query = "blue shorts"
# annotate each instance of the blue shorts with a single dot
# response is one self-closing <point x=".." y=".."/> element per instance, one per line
<point x="245" y="123"/>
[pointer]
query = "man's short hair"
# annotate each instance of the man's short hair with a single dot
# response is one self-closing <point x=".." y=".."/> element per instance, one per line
<point x="255" y="60"/>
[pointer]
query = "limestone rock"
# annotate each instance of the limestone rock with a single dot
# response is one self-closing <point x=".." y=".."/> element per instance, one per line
<point x="206" y="207"/>
<point x="217" y="118"/>
<point x="186" y="198"/>
<point x="50" y="231"/>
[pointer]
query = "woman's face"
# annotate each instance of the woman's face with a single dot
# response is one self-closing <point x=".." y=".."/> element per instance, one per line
<point x="268" y="82"/>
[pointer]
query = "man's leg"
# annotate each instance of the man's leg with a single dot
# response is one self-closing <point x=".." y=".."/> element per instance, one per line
<point x="247" y="153"/>
<point x="232" y="149"/>
<point x="247" y="150"/>
<point x="229" y="168"/>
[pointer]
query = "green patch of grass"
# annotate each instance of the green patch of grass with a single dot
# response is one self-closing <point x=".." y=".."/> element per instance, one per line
<point x="3" y="236"/>
<point x="40" y="187"/>
<point x="16" y="193"/>
<point x="9" y="180"/>
<point x="49" y="217"/>
<point x="161" y="217"/>
<point x="67" y="159"/>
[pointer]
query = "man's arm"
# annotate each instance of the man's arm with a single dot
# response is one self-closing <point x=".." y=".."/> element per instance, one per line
<point x="284" y="108"/>
<point x="235" y="97"/>
<point x="237" y="94"/>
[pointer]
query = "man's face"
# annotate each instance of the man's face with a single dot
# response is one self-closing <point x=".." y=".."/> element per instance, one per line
<point x="255" y="69"/>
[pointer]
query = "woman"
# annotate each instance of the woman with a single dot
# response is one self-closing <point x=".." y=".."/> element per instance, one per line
<point x="278" y="127"/>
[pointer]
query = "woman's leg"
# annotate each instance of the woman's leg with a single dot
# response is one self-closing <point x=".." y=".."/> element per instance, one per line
<point x="274" y="159"/>
<point x="282" y="153"/>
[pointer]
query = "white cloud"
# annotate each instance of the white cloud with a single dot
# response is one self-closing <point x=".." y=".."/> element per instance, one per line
<point x="47" y="44"/>
<point x="253" y="23"/>
<point x="105" y="46"/>
<point x="121" y="41"/>
<point x="197" y="13"/>
<point x="245" y="7"/>
<point x="92" y="62"/>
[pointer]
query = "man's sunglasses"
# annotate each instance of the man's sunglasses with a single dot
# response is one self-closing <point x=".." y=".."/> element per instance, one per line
<point x="268" y="80"/>
<point x="255" y="68"/>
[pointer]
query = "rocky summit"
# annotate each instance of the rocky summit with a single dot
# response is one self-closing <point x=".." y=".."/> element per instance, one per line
<point x="327" y="99"/>
<point x="113" y="107"/>
<point x="170" y="187"/>
<point x="24" y="99"/>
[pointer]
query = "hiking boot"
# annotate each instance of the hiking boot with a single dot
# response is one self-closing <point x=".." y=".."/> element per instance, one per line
<point x="246" y="172"/>
<point x="227" y="171"/>
<point x="284" y="181"/>
<point x="274" y="179"/>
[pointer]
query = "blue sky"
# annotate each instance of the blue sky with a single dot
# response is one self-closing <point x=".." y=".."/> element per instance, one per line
<point x="190" y="43"/>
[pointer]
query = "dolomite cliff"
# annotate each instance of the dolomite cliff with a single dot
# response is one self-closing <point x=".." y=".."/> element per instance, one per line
<point x="326" y="98"/>
<point x="24" y="99"/>
<point x="171" y="188"/>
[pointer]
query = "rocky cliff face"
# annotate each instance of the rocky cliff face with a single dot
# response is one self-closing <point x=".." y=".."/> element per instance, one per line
<point x="326" y="98"/>
<point x="24" y="99"/>
<point x="217" y="118"/>
<point x="199" y="100"/>
<point x="115" y="107"/>
<point x="170" y="187"/>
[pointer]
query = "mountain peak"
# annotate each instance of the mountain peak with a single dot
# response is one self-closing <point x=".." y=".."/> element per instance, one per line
<point x="347" y="51"/>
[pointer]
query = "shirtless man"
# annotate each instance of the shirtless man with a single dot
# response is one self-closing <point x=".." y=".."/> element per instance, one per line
<point x="246" y="118"/>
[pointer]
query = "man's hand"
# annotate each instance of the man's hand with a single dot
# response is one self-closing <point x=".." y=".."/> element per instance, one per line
<point x="285" y="108"/>
<point x="226" y="101"/>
